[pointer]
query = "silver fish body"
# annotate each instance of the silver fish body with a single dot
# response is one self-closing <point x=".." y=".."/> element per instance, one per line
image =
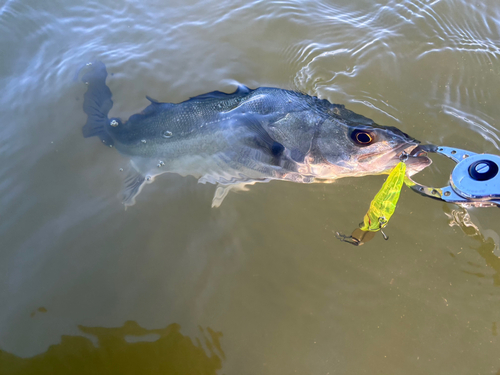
<point x="245" y="137"/>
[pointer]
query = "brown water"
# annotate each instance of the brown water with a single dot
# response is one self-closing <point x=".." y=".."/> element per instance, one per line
<point x="259" y="285"/>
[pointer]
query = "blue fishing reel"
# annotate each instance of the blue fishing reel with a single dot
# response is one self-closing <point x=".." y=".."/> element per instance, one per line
<point x="474" y="182"/>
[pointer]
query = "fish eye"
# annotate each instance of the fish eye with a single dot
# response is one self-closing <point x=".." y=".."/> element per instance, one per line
<point x="362" y="137"/>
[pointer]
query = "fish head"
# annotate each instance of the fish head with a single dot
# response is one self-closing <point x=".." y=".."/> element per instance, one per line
<point x="359" y="150"/>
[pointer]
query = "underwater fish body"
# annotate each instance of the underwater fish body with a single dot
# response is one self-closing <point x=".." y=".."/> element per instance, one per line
<point x="248" y="136"/>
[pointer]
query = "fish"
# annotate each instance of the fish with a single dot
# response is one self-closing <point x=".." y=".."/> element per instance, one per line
<point x="237" y="139"/>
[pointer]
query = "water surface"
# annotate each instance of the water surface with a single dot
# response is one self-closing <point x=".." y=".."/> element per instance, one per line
<point x="259" y="285"/>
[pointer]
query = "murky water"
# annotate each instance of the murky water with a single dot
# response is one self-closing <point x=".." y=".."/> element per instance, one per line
<point x="259" y="285"/>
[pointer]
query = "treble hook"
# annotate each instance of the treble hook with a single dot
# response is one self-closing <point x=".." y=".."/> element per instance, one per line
<point x="349" y="239"/>
<point x="383" y="222"/>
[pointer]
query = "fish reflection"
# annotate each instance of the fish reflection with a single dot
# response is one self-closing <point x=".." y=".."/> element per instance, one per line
<point x="130" y="349"/>
<point x="487" y="238"/>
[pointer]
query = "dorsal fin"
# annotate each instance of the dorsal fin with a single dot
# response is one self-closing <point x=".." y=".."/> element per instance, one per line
<point x="210" y="95"/>
<point x="153" y="101"/>
<point x="240" y="91"/>
<point x="154" y="106"/>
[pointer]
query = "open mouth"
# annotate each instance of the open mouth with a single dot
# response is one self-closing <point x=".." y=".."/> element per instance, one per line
<point x="417" y="157"/>
<point x="414" y="150"/>
<point x="422" y="150"/>
<point x="418" y="151"/>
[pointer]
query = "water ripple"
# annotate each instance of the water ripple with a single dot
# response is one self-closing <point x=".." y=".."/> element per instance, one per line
<point x="487" y="131"/>
<point x="428" y="66"/>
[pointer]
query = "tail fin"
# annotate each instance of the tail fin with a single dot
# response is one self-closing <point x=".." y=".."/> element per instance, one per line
<point x="97" y="103"/>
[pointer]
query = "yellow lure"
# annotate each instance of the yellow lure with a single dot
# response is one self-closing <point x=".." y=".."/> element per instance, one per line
<point x="384" y="204"/>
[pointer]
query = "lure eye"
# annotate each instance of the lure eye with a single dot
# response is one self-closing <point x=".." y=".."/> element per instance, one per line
<point x="362" y="137"/>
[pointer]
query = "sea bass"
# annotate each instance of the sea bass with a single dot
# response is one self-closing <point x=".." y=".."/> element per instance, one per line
<point x="245" y="137"/>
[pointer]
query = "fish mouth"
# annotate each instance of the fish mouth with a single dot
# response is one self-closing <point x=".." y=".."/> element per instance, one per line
<point x="417" y="158"/>
<point x="422" y="150"/>
<point x="412" y="153"/>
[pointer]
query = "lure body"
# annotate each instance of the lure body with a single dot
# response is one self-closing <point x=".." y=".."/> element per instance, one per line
<point x="384" y="204"/>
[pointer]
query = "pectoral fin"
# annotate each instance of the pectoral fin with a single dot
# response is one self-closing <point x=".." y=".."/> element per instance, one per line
<point x="262" y="137"/>
<point x="247" y="132"/>
<point x="132" y="186"/>
<point x="222" y="191"/>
